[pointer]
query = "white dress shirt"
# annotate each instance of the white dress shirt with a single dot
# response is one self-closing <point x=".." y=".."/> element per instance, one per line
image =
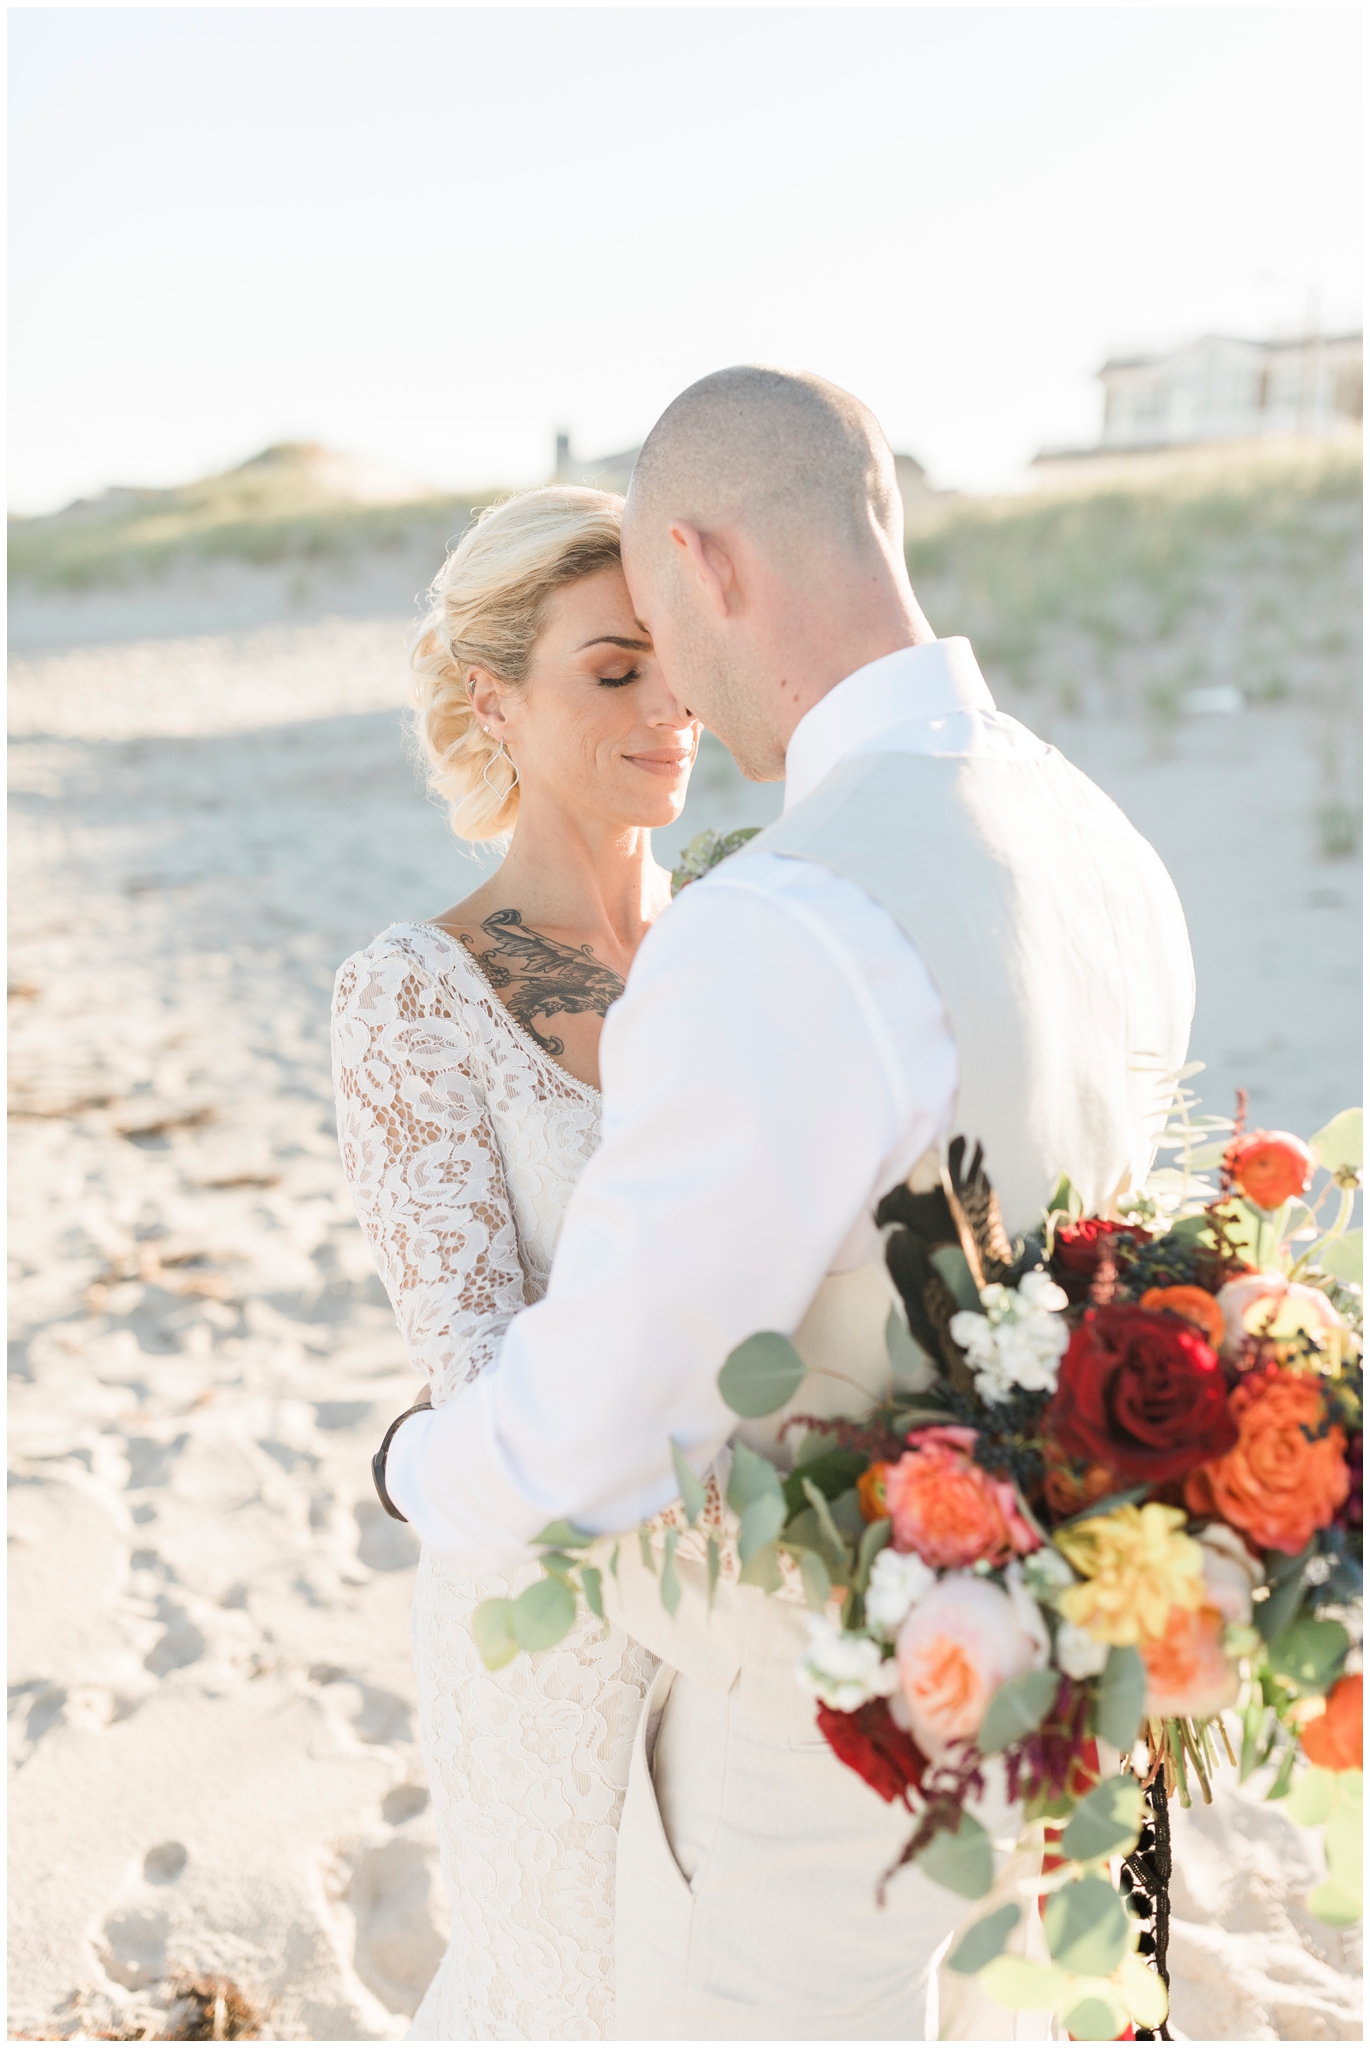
<point x="779" y="1059"/>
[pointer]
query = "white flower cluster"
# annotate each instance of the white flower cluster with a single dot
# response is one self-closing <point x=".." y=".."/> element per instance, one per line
<point x="844" y="1670"/>
<point x="898" y="1580"/>
<point x="1018" y="1341"/>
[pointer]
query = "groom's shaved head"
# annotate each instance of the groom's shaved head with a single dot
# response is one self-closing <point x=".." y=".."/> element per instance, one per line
<point x="789" y="456"/>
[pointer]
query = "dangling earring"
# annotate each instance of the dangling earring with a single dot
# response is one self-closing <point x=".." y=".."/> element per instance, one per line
<point x="485" y="772"/>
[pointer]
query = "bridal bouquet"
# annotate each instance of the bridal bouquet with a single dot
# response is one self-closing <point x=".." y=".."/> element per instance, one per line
<point x="1124" y="1509"/>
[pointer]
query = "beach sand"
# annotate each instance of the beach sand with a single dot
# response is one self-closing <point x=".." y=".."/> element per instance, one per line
<point x="212" y="1722"/>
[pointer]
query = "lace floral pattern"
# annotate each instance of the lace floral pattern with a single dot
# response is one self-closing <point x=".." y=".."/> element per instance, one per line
<point x="461" y="1141"/>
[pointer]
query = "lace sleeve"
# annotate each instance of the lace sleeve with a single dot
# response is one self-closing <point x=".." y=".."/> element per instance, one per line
<point x="420" y="1157"/>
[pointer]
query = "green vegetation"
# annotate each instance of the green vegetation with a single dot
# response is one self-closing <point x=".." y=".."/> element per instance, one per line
<point x="281" y="507"/>
<point x="1241" y="572"/>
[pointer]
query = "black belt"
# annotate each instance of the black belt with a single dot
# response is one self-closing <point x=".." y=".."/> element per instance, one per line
<point x="378" y="1462"/>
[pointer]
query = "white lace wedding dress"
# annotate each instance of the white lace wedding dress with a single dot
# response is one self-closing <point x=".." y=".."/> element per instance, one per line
<point x="461" y="1140"/>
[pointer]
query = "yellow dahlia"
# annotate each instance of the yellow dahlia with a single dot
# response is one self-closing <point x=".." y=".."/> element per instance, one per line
<point x="1136" y="1564"/>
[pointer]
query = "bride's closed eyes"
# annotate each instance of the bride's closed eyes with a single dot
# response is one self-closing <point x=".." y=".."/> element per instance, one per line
<point x="633" y="675"/>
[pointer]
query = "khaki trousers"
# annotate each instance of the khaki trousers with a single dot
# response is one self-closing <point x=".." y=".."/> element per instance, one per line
<point x="748" y="1860"/>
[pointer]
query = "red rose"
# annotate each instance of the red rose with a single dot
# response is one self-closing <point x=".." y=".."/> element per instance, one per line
<point x="870" y="1744"/>
<point x="1078" y="1248"/>
<point x="1142" y="1393"/>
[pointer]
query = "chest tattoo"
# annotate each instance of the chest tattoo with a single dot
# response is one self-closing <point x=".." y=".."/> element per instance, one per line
<point x="538" y="977"/>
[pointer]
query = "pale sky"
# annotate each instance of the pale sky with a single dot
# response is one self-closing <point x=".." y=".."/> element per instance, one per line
<point x="433" y="236"/>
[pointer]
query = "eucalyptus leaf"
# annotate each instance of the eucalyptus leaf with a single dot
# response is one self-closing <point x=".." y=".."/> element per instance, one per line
<point x="1106" y="1822"/>
<point x="763" y="1571"/>
<point x="963" y="1862"/>
<point x="1344" y="1846"/>
<point x="1086" y="1927"/>
<point x="910" y="1367"/>
<point x="492" y="1625"/>
<point x="1097" y="2017"/>
<point x="1342" y="1142"/>
<point x="1310" y="1798"/>
<point x="714" y="1562"/>
<point x="644" y="1544"/>
<point x="1344" y="1257"/>
<point x="949" y="1261"/>
<point x="692" y="1493"/>
<point x="543" y="1613"/>
<point x="833" y="1473"/>
<point x="752" y="1478"/>
<point x="670" y="1578"/>
<point x="983" y="1940"/>
<point x="761" y="1375"/>
<point x="1024" y="1986"/>
<point x="875" y="1539"/>
<point x="1335" y="1907"/>
<point x="1121" y="1698"/>
<point x="817" y="1584"/>
<point x="564" y="1536"/>
<point x="1127" y="1498"/>
<point x="761" y="1524"/>
<point x="592" y="1579"/>
<point x="830" y="1535"/>
<point x="1309" y="1654"/>
<point x="1020" y="1705"/>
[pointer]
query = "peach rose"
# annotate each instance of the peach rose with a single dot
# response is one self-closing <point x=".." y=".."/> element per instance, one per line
<point x="948" y="1508"/>
<point x="1335" y="1741"/>
<point x="954" y="1651"/>
<point x="1271" y="1318"/>
<point x="1286" y="1476"/>
<point x="1195" y="1304"/>
<point x="1186" y="1670"/>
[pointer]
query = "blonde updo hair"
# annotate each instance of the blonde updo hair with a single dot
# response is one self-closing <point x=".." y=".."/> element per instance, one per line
<point x="485" y="610"/>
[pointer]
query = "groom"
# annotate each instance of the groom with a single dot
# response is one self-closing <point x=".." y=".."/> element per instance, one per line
<point x="949" y="930"/>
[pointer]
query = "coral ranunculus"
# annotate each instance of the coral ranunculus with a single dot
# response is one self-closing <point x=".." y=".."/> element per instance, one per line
<point x="1078" y="1248"/>
<point x="1141" y="1393"/>
<point x="1186" y="1670"/>
<point x="1286" y="1476"/>
<point x="1195" y="1304"/>
<point x="949" y="1509"/>
<point x="1269" y="1167"/>
<point x="957" y="1647"/>
<point x="1336" y="1740"/>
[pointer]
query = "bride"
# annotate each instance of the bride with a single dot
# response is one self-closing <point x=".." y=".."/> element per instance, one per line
<point x="465" y="1066"/>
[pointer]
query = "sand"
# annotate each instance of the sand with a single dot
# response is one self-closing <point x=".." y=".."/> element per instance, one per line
<point x="212" y="1733"/>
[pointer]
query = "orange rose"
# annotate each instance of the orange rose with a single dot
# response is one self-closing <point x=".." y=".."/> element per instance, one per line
<point x="1335" y="1741"/>
<point x="950" y="1510"/>
<point x="1071" y="1486"/>
<point x="1186" y="1670"/>
<point x="1269" y="1167"/>
<point x="1286" y="1475"/>
<point x="1194" y="1305"/>
<point x="870" y="1493"/>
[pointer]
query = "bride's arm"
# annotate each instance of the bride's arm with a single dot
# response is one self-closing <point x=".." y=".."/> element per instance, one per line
<point x="421" y="1160"/>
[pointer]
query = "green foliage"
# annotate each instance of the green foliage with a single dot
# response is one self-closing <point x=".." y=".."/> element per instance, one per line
<point x="1284" y="1575"/>
<point x="670" y="1578"/>
<point x="1342" y="1142"/>
<point x="761" y="1375"/>
<point x="492" y="1625"/>
<point x="543" y="1613"/>
<point x="1310" y="1653"/>
<point x="1106" y="1822"/>
<point x="963" y="1862"/>
<point x="592" y="1579"/>
<point x="691" y="1486"/>
<point x="1122" y="1695"/>
<point x="833" y="1473"/>
<point x="564" y="1536"/>
<point x="1333" y="1800"/>
<point x="277" y="508"/>
<point x="705" y="851"/>
<point x="1020" y="1705"/>
<point x="752" y="1478"/>
<point x="1344" y="1257"/>
<point x="983" y="1940"/>
<point x="1086" y="1927"/>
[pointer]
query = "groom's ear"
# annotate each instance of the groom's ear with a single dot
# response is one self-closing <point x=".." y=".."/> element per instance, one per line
<point x="707" y="560"/>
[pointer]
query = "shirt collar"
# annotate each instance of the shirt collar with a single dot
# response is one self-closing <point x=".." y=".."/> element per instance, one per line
<point x="912" y="685"/>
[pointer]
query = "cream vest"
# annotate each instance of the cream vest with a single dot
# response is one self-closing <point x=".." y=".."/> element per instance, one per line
<point x="1057" y="942"/>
